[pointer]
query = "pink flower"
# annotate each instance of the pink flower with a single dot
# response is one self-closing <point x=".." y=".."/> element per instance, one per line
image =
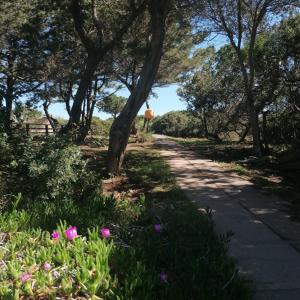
<point x="25" y="277"/>
<point x="46" y="266"/>
<point x="158" y="227"/>
<point x="71" y="233"/>
<point x="163" y="276"/>
<point x="55" y="274"/>
<point x="55" y="235"/>
<point x="105" y="232"/>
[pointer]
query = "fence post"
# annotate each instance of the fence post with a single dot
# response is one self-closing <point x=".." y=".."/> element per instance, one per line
<point x="47" y="129"/>
<point x="27" y="129"/>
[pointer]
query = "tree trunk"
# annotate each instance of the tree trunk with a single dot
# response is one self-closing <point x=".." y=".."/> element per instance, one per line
<point x="204" y="120"/>
<point x="8" y="114"/>
<point x="87" y="127"/>
<point x="66" y="96"/>
<point x="243" y="136"/>
<point x="252" y="113"/>
<point x="120" y="130"/>
<point x="50" y="119"/>
<point x="253" y="120"/>
<point x="68" y="108"/>
<point x="9" y="94"/>
<point x="96" y="51"/>
<point x="265" y="135"/>
<point x="84" y="85"/>
<point x="83" y="116"/>
<point x="90" y="106"/>
<point x="9" y="98"/>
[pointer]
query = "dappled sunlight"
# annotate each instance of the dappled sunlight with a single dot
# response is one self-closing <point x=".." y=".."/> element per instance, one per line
<point x="257" y="221"/>
<point x="265" y="211"/>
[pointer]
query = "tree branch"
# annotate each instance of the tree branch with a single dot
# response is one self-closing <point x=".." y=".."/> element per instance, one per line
<point x="118" y="36"/>
<point x="79" y="25"/>
<point x="97" y="23"/>
<point x="240" y="28"/>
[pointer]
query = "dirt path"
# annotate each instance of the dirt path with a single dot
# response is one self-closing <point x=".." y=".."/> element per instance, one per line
<point x="265" y="241"/>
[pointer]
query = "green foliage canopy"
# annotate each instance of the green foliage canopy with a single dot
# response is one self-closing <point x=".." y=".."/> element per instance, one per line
<point x="112" y="105"/>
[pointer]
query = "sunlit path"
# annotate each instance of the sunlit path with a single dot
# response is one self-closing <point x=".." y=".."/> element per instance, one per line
<point x="265" y="240"/>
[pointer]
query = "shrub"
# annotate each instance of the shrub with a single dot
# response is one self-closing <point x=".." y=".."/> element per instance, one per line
<point x="96" y="141"/>
<point x="2" y="118"/>
<point x="101" y="127"/>
<point x="5" y="149"/>
<point x="52" y="170"/>
<point x="178" y="124"/>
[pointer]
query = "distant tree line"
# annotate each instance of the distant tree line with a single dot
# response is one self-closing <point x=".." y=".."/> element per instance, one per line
<point x="178" y="124"/>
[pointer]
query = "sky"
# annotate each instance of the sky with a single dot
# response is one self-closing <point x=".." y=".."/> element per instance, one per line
<point x="166" y="101"/>
<point x="167" y="98"/>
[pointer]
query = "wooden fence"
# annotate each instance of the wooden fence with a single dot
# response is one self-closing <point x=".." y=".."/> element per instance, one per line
<point x="39" y="129"/>
<point x="45" y="129"/>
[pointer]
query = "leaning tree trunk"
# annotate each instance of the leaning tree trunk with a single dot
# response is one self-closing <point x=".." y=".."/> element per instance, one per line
<point x="84" y="85"/>
<point x="120" y="129"/>
<point x="46" y="111"/>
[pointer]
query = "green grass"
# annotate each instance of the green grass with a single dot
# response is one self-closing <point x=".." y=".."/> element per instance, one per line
<point x="224" y="152"/>
<point x="127" y="265"/>
<point x="192" y="254"/>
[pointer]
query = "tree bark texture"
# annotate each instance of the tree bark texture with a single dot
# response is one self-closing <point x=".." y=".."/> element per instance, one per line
<point x="120" y="129"/>
<point x="46" y="111"/>
<point x="254" y="124"/>
<point x="81" y="93"/>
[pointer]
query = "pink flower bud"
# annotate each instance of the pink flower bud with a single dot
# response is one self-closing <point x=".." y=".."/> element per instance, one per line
<point x="71" y="233"/>
<point x="163" y="276"/>
<point x="158" y="227"/>
<point x="105" y="232"/>
<point x="46" y="266"/>
<point x="55" y="274"/>
<point x="55" y="235"/>
<point x="25" y="277"/>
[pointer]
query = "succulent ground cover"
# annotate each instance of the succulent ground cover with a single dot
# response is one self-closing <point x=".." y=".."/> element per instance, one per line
<point x="152" y="246"/>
